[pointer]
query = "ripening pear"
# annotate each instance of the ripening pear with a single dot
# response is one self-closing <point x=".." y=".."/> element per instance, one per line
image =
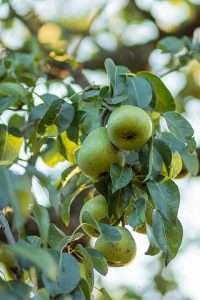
<point x="129" y="127"/>
<point x="118" y="253"/>
<point x="97" y="154"/>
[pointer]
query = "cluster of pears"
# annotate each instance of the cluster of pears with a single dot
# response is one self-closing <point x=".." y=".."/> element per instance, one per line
<point x="128" y="128"/>
<point x="117" y="253"/>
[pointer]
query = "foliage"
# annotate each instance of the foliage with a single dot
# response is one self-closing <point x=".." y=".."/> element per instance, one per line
<point x="47" y="252"/>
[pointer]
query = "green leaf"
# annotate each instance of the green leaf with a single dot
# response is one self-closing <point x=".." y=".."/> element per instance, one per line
<point x="86" y="266"/>
<point x="14" y="290"/>
<point x="10" y="146"/>
<point x="65" y="116"/>
<point x="98" y="260"/>
<point x="105" y="294"/>
<point x="153" y="248"/>
<point x="171" y="44"/>
<point x="137" y="217"/>
<point x="16" y="192"/>
<point x="109" y="232"/>
<point x="37" y="256"/>
<point x="166" y="197"/>
<point x="41" y="294"/>
<point x="41" y="217"/>
<point x="6" y="102"/>
<point x="13" y="89"/>
<point x="164" y="101"/>
<point x="190" y="159"/>
<point x="120" y="176"/>
<point x="67" y="278"/>
<point x="139" y="91"/>
<point x="168" y="236"/>
<point x="117" y="78"/>
<point x="179" y="126"/>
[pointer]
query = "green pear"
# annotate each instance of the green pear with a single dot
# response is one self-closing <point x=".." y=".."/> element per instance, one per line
<point x="97" y="153"/>
<point x="129" y="127"/>
<point x="97" y="207"/>
<point x="118" y="253"/>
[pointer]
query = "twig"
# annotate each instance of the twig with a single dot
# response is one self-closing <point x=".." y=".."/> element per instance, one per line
<point x="6" y="228"/>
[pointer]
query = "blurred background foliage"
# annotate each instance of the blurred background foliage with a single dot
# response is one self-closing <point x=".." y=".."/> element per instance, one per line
<point x="67" y="41"/>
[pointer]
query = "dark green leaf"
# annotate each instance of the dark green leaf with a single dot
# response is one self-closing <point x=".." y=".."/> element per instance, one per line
<point x="37" y="256"/>
<point x="99" y="261"/>
<point x="164" y="101"/>
<point x="68" y="275"/>
<point x="168" y="236"/>
<point x="120" y="176"/>
<point x="139" y="91"/>
<point x="179" y="126"/>
<point x="42" y="219"/>
<point x="166" y="197"/>
<point x="137" y="217"/>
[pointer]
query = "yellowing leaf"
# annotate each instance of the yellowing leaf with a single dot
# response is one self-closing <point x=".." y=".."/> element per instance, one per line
<point x="70" y="147"/>
<point x="52" y="156"/>
<point x="10" y="146"/>
<point x="176" y="165"/>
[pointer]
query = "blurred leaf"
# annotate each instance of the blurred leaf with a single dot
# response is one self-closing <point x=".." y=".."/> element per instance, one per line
<point x="37" y="256"/>
<point x="68" y="275"/>
<point x="41" y="217"/>
<point x="6" y="102"/>
<point x="137" y="217"/>
<point x="179" y="126"/>
<point x="171" y="44"/>
<point x="120" y="176"/>
<point x="164" y="101"/>
<point x="41" y="294"/>
<point x="166" y="198"/>
<point x="168" y="236"/>
<point x="105" y="294"/>
<point x="86" y="266"/>
<point x="139" y="91"/>
<point x="16" y="90"/>
<point x="10" y="146"/>
<point x="98" y="260"/>
<point x="109" y="232"/>
<point x="14" y="290"/>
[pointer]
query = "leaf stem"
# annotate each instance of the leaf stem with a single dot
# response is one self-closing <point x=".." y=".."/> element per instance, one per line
<point x="6" y="228"/>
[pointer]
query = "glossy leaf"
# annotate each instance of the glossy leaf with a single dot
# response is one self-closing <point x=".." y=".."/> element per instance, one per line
<point x="120" y="176"/>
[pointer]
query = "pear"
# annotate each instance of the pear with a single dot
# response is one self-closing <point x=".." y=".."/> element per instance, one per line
<point x="129" y="127"/>
<point x="97" y="154"/>
<point x="118" y="253"/>
<point x="97" y="207"/>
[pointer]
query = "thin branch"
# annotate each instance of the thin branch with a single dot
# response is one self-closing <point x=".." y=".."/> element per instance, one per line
<point x="6" y="228"/>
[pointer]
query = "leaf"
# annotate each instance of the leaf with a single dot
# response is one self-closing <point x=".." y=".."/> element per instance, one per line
<point x="120" y="176"/>
<point x="69" y="148"/>
<point x="105" y="294"/>
<point x="139" y="91"/>
<point x="190" y="159"/>
<point x="57" y="239"/>
<point x="41" y="294"/>
<point x="166" y="197"/>
<point x="98" y="260"/>
<point x="179" y="126"/>
<point x="168" y="236"/>
<point x="13" y="89"/>
<point x="65" y="116"/>
<point x="14" y="290"/>
<point x="17" y="193"/>
<point x="109" y="232"/>
<point x="153" y="248"/>
<point x="10" y="146"/>
<point x="164" y="101"/>
<point x="41" y="217"/>
<point x="6" y="102"/>
<point x="137" y="217"/>
<point x="116" y="74"/>
<point x="67" y="278"/>
<point x="171" y="44"/>
<point x="37" y="256"/>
